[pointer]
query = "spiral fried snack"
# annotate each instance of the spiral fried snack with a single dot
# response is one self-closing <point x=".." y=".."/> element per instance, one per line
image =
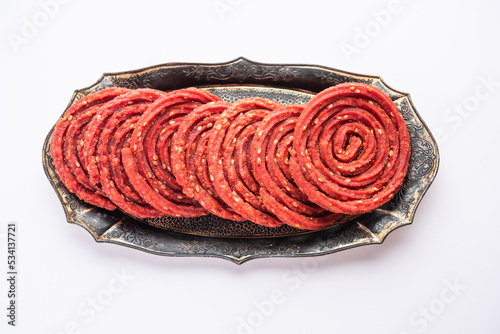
<point x="67" y="147"/>
<point x="119" y="118"/>
<point x="148" y="161"/>
<point x="228" y="159"/>
<point x="270" y="154"/>
<point x="352" y="149"/>
<point x="190" y="165"/>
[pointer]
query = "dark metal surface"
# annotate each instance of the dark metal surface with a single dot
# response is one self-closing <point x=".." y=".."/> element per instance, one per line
<point x="239" y="242"/>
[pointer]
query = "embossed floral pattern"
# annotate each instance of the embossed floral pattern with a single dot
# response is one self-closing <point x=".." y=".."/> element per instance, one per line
<point x="148" y="79"/>
<point x="131" y="232"/>
<point x="238" y="250"/>
<point x="242" y="71"/>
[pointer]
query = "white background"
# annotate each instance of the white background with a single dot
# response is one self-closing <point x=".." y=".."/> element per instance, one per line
<point x="442" y="53"/>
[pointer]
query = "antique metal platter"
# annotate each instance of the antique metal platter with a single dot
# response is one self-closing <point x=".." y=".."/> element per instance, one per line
<point x="239" y="242"/>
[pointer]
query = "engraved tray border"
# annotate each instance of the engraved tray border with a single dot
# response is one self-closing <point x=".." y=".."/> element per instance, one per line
<point x="372" y="228"/>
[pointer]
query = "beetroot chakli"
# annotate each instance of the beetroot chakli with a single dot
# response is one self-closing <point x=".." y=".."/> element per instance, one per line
<point x="186" y="153"/>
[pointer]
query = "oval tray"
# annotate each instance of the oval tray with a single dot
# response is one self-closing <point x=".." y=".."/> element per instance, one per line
<point x="239" y="242"/>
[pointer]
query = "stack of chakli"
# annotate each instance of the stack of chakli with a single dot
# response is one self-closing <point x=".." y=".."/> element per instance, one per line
<point x="186" y="153"/>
